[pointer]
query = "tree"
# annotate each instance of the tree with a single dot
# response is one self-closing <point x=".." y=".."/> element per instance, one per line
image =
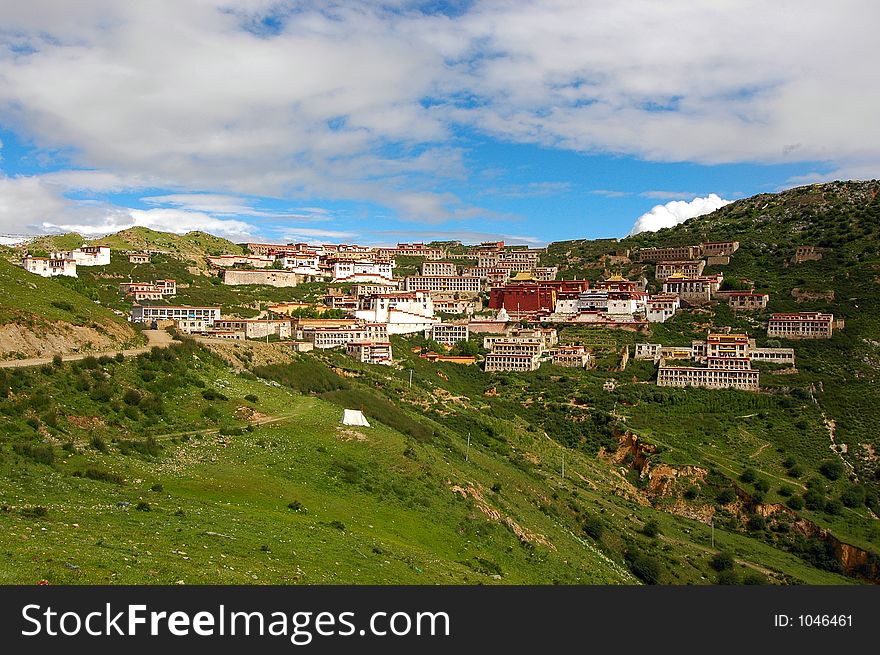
<point x="722" y="561"/>
<point x="832" y="469"/>
<point x="646" y="568"/>
<point x="593" y="526"/>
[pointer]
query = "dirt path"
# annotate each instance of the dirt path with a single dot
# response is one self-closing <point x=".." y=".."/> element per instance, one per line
<point x="158" y="338"/>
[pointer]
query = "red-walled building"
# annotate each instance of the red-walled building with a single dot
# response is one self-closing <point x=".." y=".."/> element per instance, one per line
<point x="522" y="297"/>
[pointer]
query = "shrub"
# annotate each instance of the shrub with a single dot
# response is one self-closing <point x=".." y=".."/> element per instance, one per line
<point x="496" y="488"/>
<point x="119" y="357"/>
<point x="796" y="471"/>
<point x="722" y="561"/>
<point x="853" y="496"/>
<point x="795" y="503"/>
<point x="339" y="525"/>
<point x="37" y="512"/>
<point x="43" y="454"/>
<point x="143" y="506"/>
<point x="786" y="490"/>
<point x="98" y="443"/>
<point x="296" y="506"/>
<point x="692" y="492"/>
<point x="57" y="360"/>
<point x="814" y="500"/>
<point x="90" y="362"/>
<point x="762" y="485"/>
<point x="101" y="476"/>
<point x="593" y="526"/>
<point x="748" y="476"/>
<point x="754" y="578"/>
<point x="726" y="495"/>
<point x="832" y="469"/>
<point x="727" y="577"/>
<point x="132" y="397"/>
<point x="645" y="567"/>
<point x="252" y="398"/>
<point x="158" y="488"/>
<point x="651" y="528"/>
<point x="756" y="522"/>
<point x="833" y="507"/>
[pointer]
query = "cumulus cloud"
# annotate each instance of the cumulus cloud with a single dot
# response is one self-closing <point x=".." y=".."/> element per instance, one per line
<point x="675" y="212"/>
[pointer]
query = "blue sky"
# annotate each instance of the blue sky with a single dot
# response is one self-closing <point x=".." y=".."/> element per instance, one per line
<point x="377" y="122"/>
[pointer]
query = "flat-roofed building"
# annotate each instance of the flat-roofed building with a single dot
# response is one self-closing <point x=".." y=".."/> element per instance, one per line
<point x="626" y="302"/>
<point x="432" y="268"/>
<point x="455" y="306"/>
<point x="661" y="307"/>
<point x="449" y="334"/>
<point x="647" y="350"/>
<point x="518" y="346"/>
<point x="546" y="273"/>
<point x="718" y="248"/>
<point x="511" y="362"/>
<point x="735" y="346"/>
<point x="773" y="355"/>
<point x="305" y="263"/>
<point x="167" y="287"/>
<point x="413" y="250"/>
<point x="803" y="325"/>
<point x="149" y="313"/>
<point x="256" y="328"/>
<point x="693" y="290"/>
<point x="747" y="300"/>
<point x="618" y="283"/>
<point x="50" y="266"/>
<point x="466" y="360"/>
<point x="363" y="270"/>
<point x="228" y="261"/>
<point x="334" y="337"/>
<point x="370" y="352"/>
<point x="669" y="253"/>
<point x="443" y="283"/>
<point x="139" y="258"/>
<point x="367" y="289"/>
<point x="709" y="378"/>
<point x="89" y="255"/>
<point x="571" y="356"/>
<point x="684" y="268"/>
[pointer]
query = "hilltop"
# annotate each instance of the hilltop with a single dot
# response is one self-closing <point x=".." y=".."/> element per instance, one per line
<point x="192" y="246"/>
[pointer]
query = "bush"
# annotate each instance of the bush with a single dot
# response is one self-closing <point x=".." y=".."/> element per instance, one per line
<point x="722" y="561"/>
<point x="833" y="507"/>
<point x="210" y="394"/>
<point x="786" y="490"/>
<point x="252" y="398"/>
<point x="814" y="500"/>
<point x="37" y="512"/>
<point x="756" y="522"/>
<point x="339" y="525"/>
<point x="57" y="360"/>
<point x="101" y="476"/>
<point x="796" y="471"/>
<point x="296" y="506"/>
<point x="726" y="495"/>
<point x="853" y="496"/>
<point x="754" y="578"/>
<point x="593" y="526"/>
<point x="692" y="492"/>
<point x="651" y="529"/>
<point x="143" y="506"/>
<point x="496" y="488"/>
<point x="132" y="397"/>
<point x="832" y="469"/>
<point x="40" y="454"/>
<point x="158" y="488"/>
<point x="762" y="485"/>
<point x="727" y="577"/>
<point x="98" y="443"/>
<point x="119" y="357"/>
<point x="748" y="476"/>
<point x="795" y="503"/>
<point x="645" y="567"/>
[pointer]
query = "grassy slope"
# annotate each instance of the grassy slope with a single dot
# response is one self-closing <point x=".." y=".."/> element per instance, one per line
<point x="30" y="299"/>
<point x="192" y="246"/>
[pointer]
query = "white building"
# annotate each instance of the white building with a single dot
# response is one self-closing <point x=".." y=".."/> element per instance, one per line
<point x="304" y="263"/>
<point x="662" y="307"/>
<point x="447" y="283"/>
<point x="363" y="270"/>
<point x="403" y="312"/>
<point x="50" y="266"/>
<point x="370" y="352"/>
<point x="149" y="313"/>
<point x="439" y="268"/>
<point x="449" y="334"/>
<point x="90" y="255"/>
<point x="333" y="337"/>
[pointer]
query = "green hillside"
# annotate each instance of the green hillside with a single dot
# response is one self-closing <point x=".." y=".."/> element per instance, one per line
<point x="248" y="477"/>
<point x="36" y="304"/>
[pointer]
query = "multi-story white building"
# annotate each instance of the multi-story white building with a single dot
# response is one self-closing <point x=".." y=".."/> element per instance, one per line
<point x="139" y="258"/>
<point x="546" y="273"/>
<point x="455" y="306"/>
<point x="413" y="250"/>
<point x="370" y="352"/>
<point x="364" y="271"/>
<point x="626" y="302"/>
<point x="50" y="266"/>
<point x="571" y="357"/>
<point x="444" y="283"/>
<point x="693" y="290"/>
<point x="511" y="362"/>
<point x="167" y="287"/>
<point x="89" y="255"/>
<point x="305" y="263"/>
<point x="803" y="325"/>
<point x="334" y="337"/>
<point x="662" y="307"/>
<point x="449" y="334"/>
<point x="373" y="289"/>
<point x="256" y="328"/>
<point x="745" y="379"/>
<point x="403" y="312"/>
<point x="747" y="300"/>
<point x="432" y="268"/>
<point x="148" y="313"/>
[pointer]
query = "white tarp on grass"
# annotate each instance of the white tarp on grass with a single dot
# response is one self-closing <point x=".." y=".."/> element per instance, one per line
<point x="354" y="417"/>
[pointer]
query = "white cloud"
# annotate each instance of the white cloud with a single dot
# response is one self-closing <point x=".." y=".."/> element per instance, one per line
<point x="167" y="220"/>
<point x="675" y="212"/>
<point x="355" y="100"/>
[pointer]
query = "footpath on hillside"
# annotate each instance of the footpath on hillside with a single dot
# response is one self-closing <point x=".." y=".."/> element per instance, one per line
<point x="155" y="338"/>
